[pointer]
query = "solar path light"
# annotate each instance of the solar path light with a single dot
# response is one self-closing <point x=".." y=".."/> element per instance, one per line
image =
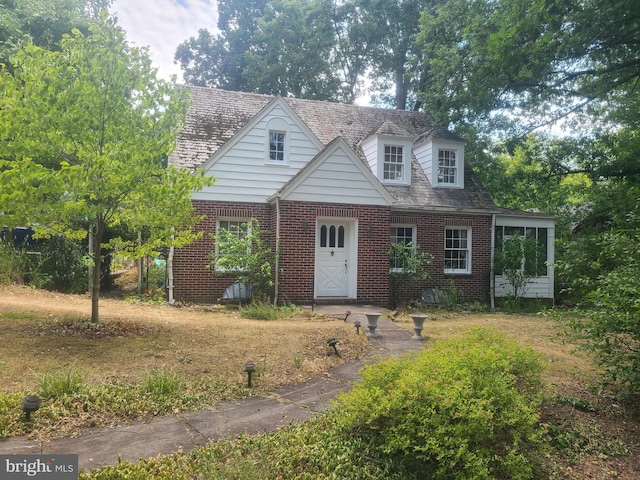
<point x="357" y="324"/>
<point x="30" y="403"/>
<point x="249" y="367"/>
<point x="332" y="342"/>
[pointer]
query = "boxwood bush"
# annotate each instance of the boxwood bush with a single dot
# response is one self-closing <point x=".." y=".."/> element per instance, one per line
<point x="468" y="408"/>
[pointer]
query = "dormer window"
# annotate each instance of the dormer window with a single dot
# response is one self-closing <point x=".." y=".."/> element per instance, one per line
<point x="442" y="160"/>
<point x="447" y="167"/>
<point x="393" y="169"/>
<point x="276" y="146"/>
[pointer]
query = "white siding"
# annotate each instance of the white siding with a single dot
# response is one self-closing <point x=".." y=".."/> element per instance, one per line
<point x="337" y="179"/>
<point x="370" y="149"/>
<point x="243" y="172"/>
<point x="424" y="155"/>
<point x="540" y="287"/>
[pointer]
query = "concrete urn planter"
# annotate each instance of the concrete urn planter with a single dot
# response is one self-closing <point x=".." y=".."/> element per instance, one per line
<point x="372" y="319"/>
<point x="418" y="323"/>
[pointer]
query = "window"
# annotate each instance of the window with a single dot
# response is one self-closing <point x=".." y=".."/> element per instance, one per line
<point x="238" y="228"/>
<point x="447" y="167"/>
<point x="332" y="236"/>
<point x="457" y="250"/>
<point x="276" y="146"/>
<point x="393" y="163"/>
<point x="536" y="262"/>
<point x="401" y="235"/>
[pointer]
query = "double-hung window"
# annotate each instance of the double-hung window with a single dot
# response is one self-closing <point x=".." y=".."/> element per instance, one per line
<point x="457" y="250"/>
<point x="231" y="242"/>
<point x="447" y="167"/>
<point x="276" y="146"/>
<point x="404" y="236"/>
<point x="393" y="168"/>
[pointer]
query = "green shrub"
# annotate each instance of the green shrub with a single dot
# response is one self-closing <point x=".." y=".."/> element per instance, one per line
<point x="57" y="383"/>
<point x="13" y="264"/>
<point x="160" y="382"/>
<point x="267" y="311"/>
<point x="468" y="408"/>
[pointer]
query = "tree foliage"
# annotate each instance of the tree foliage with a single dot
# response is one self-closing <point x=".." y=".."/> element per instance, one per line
<point x="543" y="59"/>
<point x="84" y="137"/>
<point x="43" y="22"/>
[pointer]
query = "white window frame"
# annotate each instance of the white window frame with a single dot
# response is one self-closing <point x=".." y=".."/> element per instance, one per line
<point x="467" y="249"/>
<point x="393" y="153"/>
<point x="235" y="221"/>
<point x="394" y="239"/>
<point x="451" y="170"/>
<point x="525" y="234"/>
<point x="278" y="143"/>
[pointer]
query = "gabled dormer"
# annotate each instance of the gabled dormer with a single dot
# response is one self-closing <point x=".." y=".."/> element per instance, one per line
<point x="388" y="153"/>
<point x="441" y="158"/>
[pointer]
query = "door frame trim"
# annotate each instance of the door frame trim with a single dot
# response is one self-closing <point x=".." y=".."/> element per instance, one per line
<point x="351" y="239"/>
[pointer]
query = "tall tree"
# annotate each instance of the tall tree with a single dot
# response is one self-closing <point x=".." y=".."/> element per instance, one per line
<point x="283" y="47"/>
<point x="292" y="51"/>
<point x="105" y="125"/>
<point x="390" y="29"/>
<point x="43" y="22"/>
<point x="543" y="60"/>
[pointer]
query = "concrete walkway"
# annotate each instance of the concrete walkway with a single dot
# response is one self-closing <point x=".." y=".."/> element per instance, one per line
<point x="290" y="404"/>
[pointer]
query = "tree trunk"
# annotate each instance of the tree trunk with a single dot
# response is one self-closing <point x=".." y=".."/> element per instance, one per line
<point x="97" y="269"/>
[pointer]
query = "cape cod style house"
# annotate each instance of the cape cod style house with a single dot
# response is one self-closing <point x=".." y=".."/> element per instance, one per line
<point x="335" y="185"/>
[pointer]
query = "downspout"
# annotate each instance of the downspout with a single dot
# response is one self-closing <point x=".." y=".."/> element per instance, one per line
<point x="170" y="275"/>
<point x="277" y="266"/>
<point x="492" y="274"/>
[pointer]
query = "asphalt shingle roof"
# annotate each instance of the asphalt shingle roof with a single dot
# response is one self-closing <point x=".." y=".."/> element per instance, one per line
<point x="215" y="116"/>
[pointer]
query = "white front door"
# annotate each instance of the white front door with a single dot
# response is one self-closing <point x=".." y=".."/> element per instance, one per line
<point x="335" y="265"/>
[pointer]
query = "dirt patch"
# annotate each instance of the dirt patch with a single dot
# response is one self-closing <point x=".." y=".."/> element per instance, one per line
<point x="86" y="329"/>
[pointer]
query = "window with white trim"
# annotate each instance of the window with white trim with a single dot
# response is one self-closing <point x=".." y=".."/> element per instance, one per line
<point x="239" y="228"/>
<point x="277" y="146"/>
<point x="405" y="235"/>
<point x="457" y="250"/>
<point x="447" y="167"/>
<point x="393" y="167"/>
<point x="535" y="263"/>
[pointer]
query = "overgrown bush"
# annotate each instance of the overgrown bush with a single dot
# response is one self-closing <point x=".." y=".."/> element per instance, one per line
<point x="266" y="311"/>
<point x="52" y="263"/>
<point x="13" y="264"/>
<point x="468" y="408"/>
<point x="608" y="325"/>
<point x="61" y="382"/>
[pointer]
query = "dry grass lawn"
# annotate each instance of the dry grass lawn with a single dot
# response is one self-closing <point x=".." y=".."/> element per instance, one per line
<point x="41" y="331"/>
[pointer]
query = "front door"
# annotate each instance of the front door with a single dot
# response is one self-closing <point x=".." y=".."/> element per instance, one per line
<point x="335" y="267"/>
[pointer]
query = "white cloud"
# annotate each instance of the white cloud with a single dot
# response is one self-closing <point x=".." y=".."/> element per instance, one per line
<point x="162" y="25"/>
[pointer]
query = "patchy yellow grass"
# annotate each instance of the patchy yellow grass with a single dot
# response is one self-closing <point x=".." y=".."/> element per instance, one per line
<point x="564" y="362"/>
<point x="37" y="335"/>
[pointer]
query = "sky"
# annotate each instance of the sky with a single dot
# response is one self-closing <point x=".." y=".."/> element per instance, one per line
<point x="162" y="25"/>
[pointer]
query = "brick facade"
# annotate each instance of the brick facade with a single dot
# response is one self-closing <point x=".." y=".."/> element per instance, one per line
<point x="193" y="282"/>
